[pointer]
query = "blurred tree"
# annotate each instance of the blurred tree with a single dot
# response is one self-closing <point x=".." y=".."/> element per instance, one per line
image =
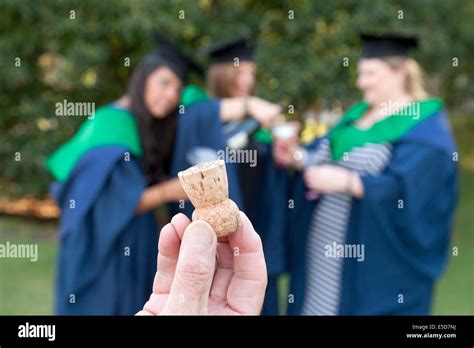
<point x="78" y="51"/>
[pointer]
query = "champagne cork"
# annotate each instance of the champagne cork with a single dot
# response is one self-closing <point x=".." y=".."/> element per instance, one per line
<point x="207" y="188"/>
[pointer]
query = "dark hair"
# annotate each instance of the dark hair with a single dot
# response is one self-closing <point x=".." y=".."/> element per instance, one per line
<point x="157" y="134"/>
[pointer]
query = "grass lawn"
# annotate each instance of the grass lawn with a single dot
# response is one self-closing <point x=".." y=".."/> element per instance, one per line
<point x="27" y="287"/>
<point x="455" y="292"/>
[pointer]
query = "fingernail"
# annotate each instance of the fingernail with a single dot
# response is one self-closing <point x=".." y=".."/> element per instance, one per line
<point x="199" y="232"/>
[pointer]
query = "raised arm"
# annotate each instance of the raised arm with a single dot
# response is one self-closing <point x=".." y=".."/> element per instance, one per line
<point x="237" y="108"/>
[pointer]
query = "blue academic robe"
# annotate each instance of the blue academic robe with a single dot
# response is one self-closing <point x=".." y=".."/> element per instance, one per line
<point x="265" y="189"/>
<point x="201" y="125"/>
<point x="266" y="204"/>
<point x="107" y="253"/>
<point x="405" y="248"/>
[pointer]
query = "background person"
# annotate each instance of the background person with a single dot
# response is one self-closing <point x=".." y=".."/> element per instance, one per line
<point x="387" y="183"/>
<point x="109" y="177"/>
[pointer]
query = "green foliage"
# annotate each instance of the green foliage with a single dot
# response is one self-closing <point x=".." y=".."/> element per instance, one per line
<point x="300" y="59"/>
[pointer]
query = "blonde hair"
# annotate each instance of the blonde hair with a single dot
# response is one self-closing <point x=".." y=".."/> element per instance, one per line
<point x="221" y="79"/>
<point x="414" y="83"/>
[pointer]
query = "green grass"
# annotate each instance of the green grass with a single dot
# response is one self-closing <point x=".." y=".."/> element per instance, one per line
<point x="27" y="287"/>
<point x="455" y="291"/>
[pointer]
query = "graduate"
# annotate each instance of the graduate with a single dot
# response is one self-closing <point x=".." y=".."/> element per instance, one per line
<point x="259" y="189"/>
<point x="373" y="208"/>
<point x="109" y="177"/>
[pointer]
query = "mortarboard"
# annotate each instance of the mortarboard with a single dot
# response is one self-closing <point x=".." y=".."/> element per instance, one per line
<point x="242" y="48"/>
<point x="387" y="45"/>
<point x="174" y="57"/>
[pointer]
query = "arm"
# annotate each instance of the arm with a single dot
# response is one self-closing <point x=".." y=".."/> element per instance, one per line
<point x="232" y="109"/>
<point x="416" y="195"/>
<point x="413" y="166"/>
<point x="355" y="186"/>
<point x="329" y="178"/>
<point x="237" y="108"/>
<point x="289" y="153"/>
<point x="321" y="177"/>
<point x="153" y="196"/>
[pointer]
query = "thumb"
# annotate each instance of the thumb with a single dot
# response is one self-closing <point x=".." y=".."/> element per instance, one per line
<point x="194" y="271"/>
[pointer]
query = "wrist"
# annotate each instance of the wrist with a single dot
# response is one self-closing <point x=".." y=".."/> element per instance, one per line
<point x="249" y="105"/>
<point x="357" y="186"/>
<point x="354" y="185"/>
<point x="246" y="105"/>
<point x="349" y="183"/>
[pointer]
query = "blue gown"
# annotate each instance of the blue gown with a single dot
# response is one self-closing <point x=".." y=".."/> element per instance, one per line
<point x="107" y="254"/>
<point x="201" y="125"/>
<point x="405" y="249"/>
<point x="266" y="204"/>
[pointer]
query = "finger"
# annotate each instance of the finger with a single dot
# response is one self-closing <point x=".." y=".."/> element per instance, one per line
<point x="168" y="251"/>
<point x="143" y="312"/>
<point x="224" y="272"/>
<point x="225" y="256"/>
<point x="305" y="176"/>
<point x="247" y="288"/>
<point x="247" y="248"/>
<point x="307" y="180"/>
<point x="155" y="304"/>
<point x="194" y="271"/>
<point x="180" y="222"/>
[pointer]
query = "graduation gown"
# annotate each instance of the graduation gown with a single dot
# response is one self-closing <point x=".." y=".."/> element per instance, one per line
<point x="107" y="252"/>
<point x="405" y="248"/>
<point x="265" y="191"/>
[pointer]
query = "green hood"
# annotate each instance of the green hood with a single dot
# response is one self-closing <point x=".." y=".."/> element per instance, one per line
<point x="345" y="136"/>
<point x="110" y="126"/>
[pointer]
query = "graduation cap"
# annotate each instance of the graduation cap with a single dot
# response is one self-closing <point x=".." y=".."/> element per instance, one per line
<point x="174" y="57"/>
<point x="377" y="46"/>
<point x="242" y="48"/>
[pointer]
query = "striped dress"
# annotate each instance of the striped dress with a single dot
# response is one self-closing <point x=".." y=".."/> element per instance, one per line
<point x="329" y="225"/>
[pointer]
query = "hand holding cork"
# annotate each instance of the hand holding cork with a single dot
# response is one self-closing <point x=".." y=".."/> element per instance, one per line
<point x="199" y="273"/>
<point x="207" y="188"/>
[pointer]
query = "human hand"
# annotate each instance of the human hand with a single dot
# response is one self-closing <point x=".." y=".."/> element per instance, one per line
<point x="285" y="142"/>
<point x="327" y="178"/>
<point x="189" y="279"/>
<point x="263" y="111"/>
